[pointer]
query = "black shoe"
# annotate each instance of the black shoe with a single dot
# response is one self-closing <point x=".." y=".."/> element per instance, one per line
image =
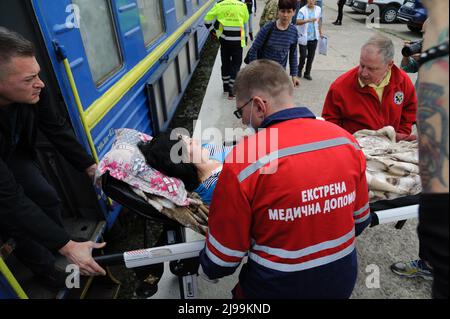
<point x="337" y="23"/>
<point x="308" y="77"/>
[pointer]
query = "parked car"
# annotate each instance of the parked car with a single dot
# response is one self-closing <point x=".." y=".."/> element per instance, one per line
<point x="414" y="14"/>
<point x="388" y="8"/>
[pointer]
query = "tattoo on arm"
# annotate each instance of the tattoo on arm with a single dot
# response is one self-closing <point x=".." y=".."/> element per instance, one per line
<point x="433" y="139"/>
<point x="442" y="37"/>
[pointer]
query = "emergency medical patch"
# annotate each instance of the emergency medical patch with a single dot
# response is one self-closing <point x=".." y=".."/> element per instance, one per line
<point x="399" y="97"/>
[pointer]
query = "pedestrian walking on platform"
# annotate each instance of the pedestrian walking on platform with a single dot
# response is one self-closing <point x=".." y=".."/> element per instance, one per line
<point x="309" y="32"/>
<point x="340" y="4"/>
<point x="226" y="21"/>
<point x="277" y="41"/>
<point x="251" y="6"/>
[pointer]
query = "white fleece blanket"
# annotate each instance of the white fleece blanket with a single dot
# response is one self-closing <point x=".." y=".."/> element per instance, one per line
<point x="392" y="168"/>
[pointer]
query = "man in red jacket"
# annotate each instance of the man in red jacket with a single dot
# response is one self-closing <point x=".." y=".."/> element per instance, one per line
<point x="374" y="95"/>
<point x="292" y="197"/>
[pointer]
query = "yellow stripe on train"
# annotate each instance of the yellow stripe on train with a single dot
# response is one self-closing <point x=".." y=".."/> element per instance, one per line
<point x="97" y="110"/>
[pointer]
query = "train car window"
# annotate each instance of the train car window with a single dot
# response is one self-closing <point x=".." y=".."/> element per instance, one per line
<point x="180" y="7"/>
<point x="183" y="60"/>
<point x="99" y="38"/>
<point x="159" y="105"/>
<point x="171" y="87"/>
<point x="152" y="22"/>
<point x="193" y="50"/>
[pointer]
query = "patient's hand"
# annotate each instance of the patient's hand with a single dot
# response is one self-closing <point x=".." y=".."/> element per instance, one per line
<point x="405" y="137"/>
<point x="194" y="216"/>
<point x="195" y="219"/>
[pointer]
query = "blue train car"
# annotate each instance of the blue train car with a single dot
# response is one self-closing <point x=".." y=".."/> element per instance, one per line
<point x="107" y="64"/>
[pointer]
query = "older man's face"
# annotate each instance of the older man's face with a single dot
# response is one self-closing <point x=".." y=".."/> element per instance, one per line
<point x="20" y="82"/>
<point x="372" y="67"/>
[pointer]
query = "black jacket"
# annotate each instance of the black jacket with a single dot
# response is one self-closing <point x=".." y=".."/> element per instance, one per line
<point x="15" y="206"/>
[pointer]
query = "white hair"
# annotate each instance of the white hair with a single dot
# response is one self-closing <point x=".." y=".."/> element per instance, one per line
<point x="384" y="45"/>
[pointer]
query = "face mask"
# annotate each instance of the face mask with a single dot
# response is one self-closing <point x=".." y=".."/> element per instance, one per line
<point x="250" y="127"/>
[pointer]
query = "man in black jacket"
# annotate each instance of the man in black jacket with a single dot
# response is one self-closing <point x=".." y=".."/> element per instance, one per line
<point x="30" y="210"/>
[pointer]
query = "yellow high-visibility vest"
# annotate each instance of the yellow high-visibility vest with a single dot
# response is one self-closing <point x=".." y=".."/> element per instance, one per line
<point x="232" y="15"/>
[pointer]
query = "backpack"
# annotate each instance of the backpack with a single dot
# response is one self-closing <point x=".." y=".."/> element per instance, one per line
<point x="260" y="51"/>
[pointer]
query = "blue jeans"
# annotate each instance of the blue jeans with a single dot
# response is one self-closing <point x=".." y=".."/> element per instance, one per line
<point x="250" y="23"/>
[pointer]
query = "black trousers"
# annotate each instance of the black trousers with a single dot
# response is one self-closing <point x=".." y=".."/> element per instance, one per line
<point x="433" y="234"/>
<point x="231" y="64"/>
<point x="28" y="174"/>
<point x="340" y="11"/>
<point x="307" y="54"/>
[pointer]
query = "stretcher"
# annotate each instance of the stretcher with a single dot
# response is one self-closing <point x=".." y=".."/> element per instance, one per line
<point x="183" y="255"/>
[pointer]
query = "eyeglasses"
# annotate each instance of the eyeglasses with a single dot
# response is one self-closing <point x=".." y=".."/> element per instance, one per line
<point x="238" y="112"/>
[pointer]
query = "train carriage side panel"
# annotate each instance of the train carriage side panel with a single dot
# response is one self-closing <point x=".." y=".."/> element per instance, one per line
<point x="115" y="49"/>
<point x="6" y="292"/>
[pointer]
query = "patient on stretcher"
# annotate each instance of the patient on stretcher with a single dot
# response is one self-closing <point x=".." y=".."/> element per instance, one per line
<point x="197" y="166"/>
<point x="180" y="189"/>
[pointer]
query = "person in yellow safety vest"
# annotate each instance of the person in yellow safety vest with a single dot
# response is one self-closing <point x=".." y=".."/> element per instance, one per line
<point x="226" y="21"/>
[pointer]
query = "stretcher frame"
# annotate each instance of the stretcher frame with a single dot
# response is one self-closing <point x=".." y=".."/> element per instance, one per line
<point x="188" y="250"/>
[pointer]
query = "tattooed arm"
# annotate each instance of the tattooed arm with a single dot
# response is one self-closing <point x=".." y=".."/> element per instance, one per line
<point x="433" y="94"/>
<point x="433" y="127"/>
